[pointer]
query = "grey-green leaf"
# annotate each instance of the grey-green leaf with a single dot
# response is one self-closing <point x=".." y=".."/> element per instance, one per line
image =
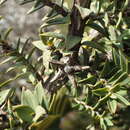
<point x="122" y="99"/>
<point x="94" y="45"/>
<point x="84" y="12"/>
<point x="71" y="41"/>
<point x="24" y="112"/>
<point x="112" y="105"/>
<point x="27" y="98"/>
<point x="3" y="95"/>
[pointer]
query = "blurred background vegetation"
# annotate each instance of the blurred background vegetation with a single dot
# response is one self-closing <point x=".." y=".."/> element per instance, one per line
<point x="23" y="25"/>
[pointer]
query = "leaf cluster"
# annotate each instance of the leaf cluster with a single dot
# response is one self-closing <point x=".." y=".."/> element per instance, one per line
<point x="81" y="79"/>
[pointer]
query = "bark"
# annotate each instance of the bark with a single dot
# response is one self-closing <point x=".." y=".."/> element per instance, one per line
<point x="76" y="28"/>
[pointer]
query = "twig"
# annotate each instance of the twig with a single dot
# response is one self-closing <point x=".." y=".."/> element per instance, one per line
<point x="83" y="103"/>
<point x="101" y="101"/>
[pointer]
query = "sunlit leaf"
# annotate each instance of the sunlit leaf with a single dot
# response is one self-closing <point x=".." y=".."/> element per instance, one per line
<point x="41" y="95"/>
<point x="53" y="34"/>
<point x="7" y="60"/>
<point x="3" y="95"/>
<point x="112" y="105"/>
<point x="122" y="99"/>
<point x="108" y="122"/>
<point x="56" y="21"/>
<point x="40" y="111"/>
<point x="39" y="45"/>
<point x="113" y="35"/>
<point x="27" y="98"/>
<point x="84" y="12"/>
<point x="102" y="124"/>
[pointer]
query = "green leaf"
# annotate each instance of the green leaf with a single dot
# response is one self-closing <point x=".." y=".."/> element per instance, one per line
<point x="71" y="41"/>
<point x="53" y="34"/>
<point x="24" y="112"/>
<point x="95" y="6"/>
<point x="46" y="123"/>
<point x="11" y="80"/>
<point x="119" y="19"/>
<point x="126" y="34"/>
<point x="31" y="53"/>
<point x="113" y="35"/>
<point x="108" y="121"/>
<point x="123" y="92"/>
<point x="41" y="95"/>
<point x="106" y="69"/>
<point x="39" y="45"/>
<point x="90" y="80"/>
<point x="7" y="60"/>
<point x="112" y="105"/>
<point x="101" y="91"/>
<point x="106" y="19"/>
<point x="13" y="68"/>
<point x="32" y="78"/>
<point x="102" y="124"/>
<point x="52" y="14"/>
<point x="123" y="61"/>
<point x="24" y="46"/>
<point x="126" y="81"/>
<point x="120" y="79"/>
<point x="84" y="12"/>
<point x="116" y="57"/>
<point x="97" y="28"/>
<point x="3" y="95"/>
<point x="7" y="33"/>
<point x="122" y="99"/>
<point x="38" y="5"/>
<point x="18" y="44"/>
<point x="125" y="5"/>
<point x="120" y="59"/>
<point x="27" y="98"/>
<point x="56" y="21"/>
<point x="115" y="76"/>
<point x="46" y="55"/>
<point x="60" y="103"/>
<point x="39" y="111"/>
<point x="94" y="45"/>
<point x="116" y="87"/>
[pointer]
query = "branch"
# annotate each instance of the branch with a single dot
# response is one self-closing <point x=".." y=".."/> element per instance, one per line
<point x="58" y="9"/>
<point x="83" y="103"/>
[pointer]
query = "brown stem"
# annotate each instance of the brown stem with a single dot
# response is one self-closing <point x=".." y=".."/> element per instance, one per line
<point x="58" y="9"/>
<point x="76" y="28"/>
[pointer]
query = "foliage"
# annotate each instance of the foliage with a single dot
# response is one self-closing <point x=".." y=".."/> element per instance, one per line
<point x="81" y="79"/>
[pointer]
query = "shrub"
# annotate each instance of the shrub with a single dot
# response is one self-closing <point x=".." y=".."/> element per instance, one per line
<point x="81" y="78"/>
